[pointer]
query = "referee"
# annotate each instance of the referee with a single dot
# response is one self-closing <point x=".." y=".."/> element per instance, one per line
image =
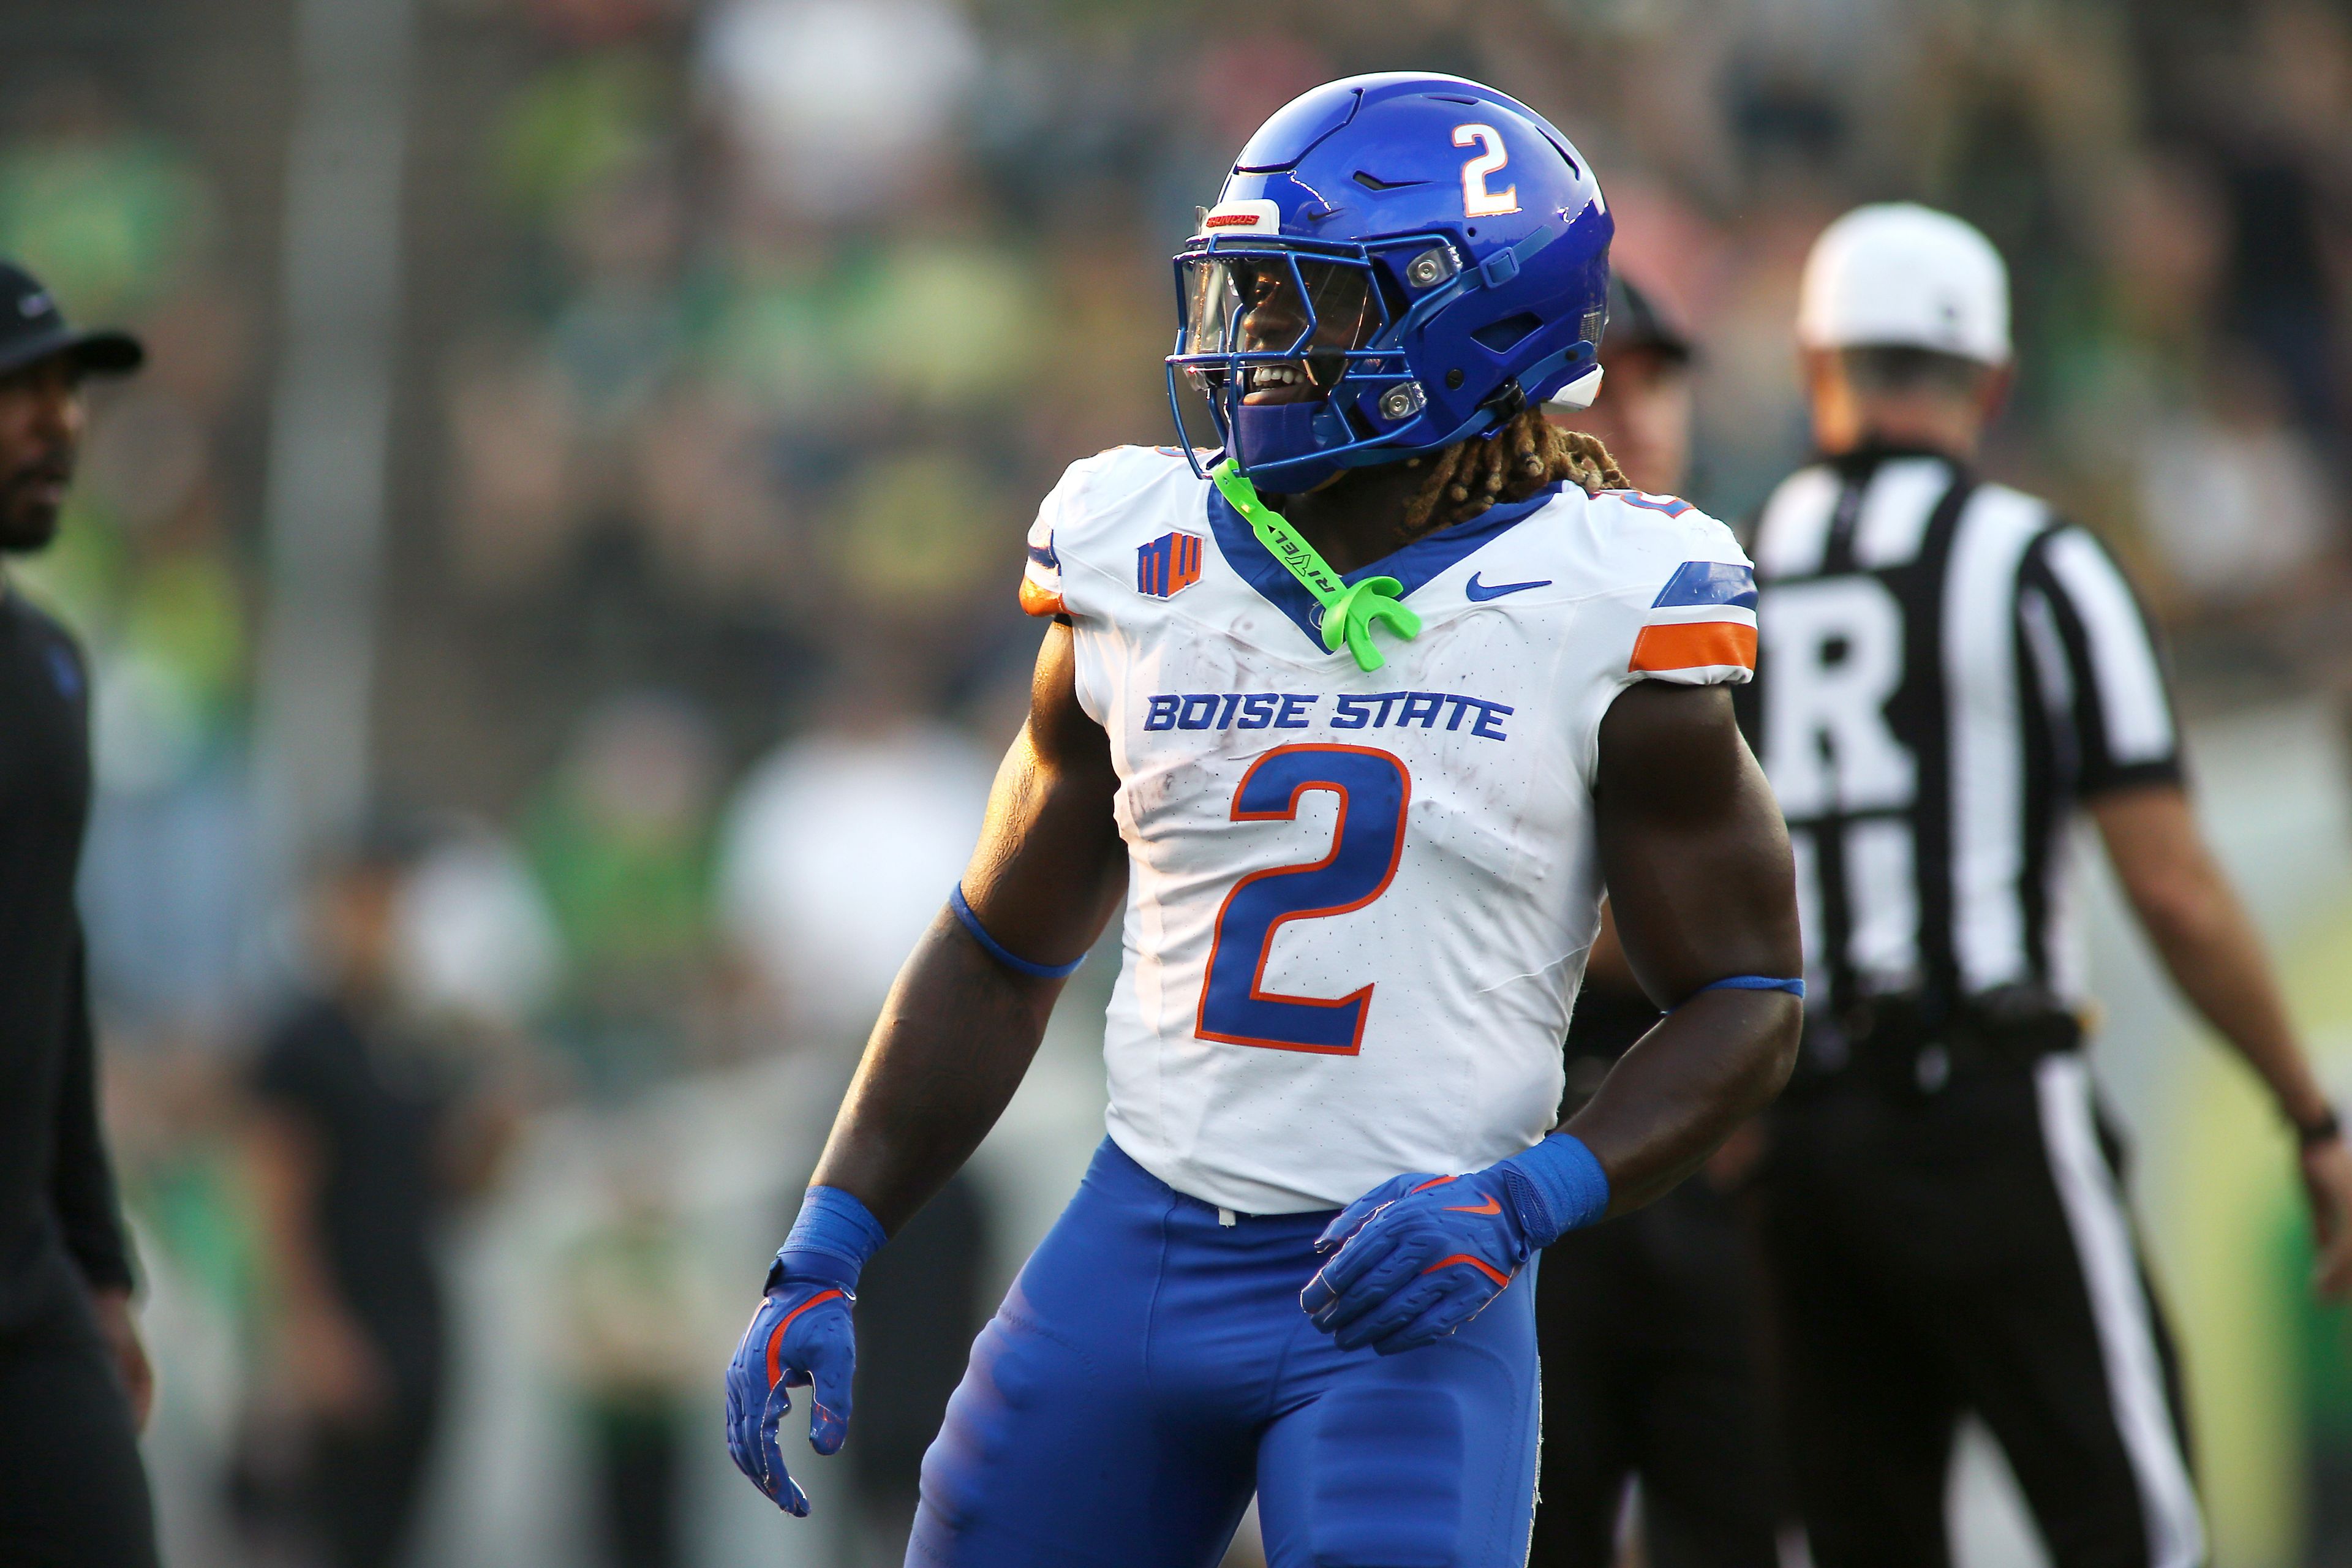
<point x="73" y="1381"/>
<point x="1948" y="677"/>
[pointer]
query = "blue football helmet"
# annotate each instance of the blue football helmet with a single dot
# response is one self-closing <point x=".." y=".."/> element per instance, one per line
<point x="1397" y="262"/>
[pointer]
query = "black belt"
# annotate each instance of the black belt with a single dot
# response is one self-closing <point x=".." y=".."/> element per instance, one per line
<point x="1910" y="1045"/>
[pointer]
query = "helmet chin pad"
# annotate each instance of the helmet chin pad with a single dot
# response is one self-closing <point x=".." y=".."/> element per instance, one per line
<point x="1275" y="445"/>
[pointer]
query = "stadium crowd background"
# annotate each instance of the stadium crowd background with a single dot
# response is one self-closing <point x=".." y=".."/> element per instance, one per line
<point x="735" y="342"/>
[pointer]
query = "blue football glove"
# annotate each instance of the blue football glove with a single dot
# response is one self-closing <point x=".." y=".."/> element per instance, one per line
<point x="801" y="1335"/>
<point x="1419" y="1255"/>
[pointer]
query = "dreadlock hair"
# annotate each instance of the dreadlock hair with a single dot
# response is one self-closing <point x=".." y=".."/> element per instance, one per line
<point x="1525" y="454"/>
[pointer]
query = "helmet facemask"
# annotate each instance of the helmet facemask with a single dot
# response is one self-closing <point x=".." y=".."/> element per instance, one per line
<point x="1269" y="332"/>
<point x="1263" y="304"/>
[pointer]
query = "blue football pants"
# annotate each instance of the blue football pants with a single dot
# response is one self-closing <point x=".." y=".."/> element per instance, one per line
<point x="1150" y="1368"/>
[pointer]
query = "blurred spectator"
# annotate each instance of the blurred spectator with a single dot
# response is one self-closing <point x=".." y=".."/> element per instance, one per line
<point x="111" y="215"/>
<point x="916" y="534"/>
<point x="2287" y="180"/>
<point x="840" y="847"/>
<point x="362" y="1134"/>
<point x="838" y="104"/>
<point x="2234" y="496"/>
<point x="74" y="1381"/>
<point x="638" y="1361"/>
<point x="476" y="939"/>
<point x="620" y="844"/>
<point x="1750" y="424"/>
<point x="518" y="499"/>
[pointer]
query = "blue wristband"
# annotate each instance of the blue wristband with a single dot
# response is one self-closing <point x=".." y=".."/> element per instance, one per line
<point x="1557" y="1185"/>
<point x="997" y="950"/>
<point x="831" y="1240"/>
<point x="1757" y="982"/>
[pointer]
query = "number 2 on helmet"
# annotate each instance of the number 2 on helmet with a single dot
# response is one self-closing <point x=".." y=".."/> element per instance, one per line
<point x="1477" y="201"/>
<point x="1374" y="789"/>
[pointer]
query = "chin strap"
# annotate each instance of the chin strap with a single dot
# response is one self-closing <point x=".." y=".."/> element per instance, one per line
<point x="1349" y="609"/>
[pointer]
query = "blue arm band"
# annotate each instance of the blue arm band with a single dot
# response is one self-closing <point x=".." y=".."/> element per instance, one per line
<point x="1558" y="1186"/>
<point x="1759" y="983"/>
<point x="830" y="1241"/>
<point x="996" y="949"/>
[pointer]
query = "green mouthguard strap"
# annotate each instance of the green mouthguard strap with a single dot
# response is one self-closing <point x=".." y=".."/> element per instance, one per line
<point x="1349" y="609"/>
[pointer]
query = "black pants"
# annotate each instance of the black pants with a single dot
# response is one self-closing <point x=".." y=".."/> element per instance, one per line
<point x="636" y="1445"/>
<point x="1650" y="1328"/>
<point x="72" y="1493"/>
<point x="919" y="1307"/>
<point x="363" y="1480"/>
<point x="1968" y="1251"/>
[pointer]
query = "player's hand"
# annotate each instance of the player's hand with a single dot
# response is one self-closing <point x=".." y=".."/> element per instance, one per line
<point x="119" y="1328"/>
<point x="801" y="1335"/>
<point x="1418" y="1257"/>
<point x="2327" y="1180"/>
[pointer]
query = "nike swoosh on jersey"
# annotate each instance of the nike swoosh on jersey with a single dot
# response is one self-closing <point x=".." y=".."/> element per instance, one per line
<point x="1479" y="593"/>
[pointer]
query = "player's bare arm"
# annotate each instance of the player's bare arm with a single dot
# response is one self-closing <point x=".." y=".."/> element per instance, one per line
<point x="1698" y="867"/>
<point x="955" y="1036"/>
<point x="959" y="1027"/>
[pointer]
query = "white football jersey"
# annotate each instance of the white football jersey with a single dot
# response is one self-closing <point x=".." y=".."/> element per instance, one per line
<point x="1359" y="901"/>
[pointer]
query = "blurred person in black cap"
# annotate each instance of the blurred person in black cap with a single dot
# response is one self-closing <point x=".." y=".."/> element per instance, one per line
<point x="1650" y="1325"/>
<point x="1643" y="415"/>
<point x="361" y="1136"/>
<point x="74" y="1383"/>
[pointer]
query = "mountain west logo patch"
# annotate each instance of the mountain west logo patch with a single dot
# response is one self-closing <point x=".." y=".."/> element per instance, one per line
<point x="1169" y="565"/>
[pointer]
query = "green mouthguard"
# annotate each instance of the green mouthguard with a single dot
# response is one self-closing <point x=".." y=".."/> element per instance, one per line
<point x="1349" y="609"/>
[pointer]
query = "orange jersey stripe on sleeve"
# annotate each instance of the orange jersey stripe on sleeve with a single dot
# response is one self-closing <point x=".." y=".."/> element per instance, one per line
<point x="1692" y="645"/>
<point x="1039" y="601"/>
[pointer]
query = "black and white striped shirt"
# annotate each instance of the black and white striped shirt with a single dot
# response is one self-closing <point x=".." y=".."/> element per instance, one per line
<point x="1945" y="671"/>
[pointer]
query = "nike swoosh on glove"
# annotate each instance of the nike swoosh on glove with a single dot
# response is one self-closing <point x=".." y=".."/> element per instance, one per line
<point x="801" y="1335"/>
<point x="1419" y="1256"/>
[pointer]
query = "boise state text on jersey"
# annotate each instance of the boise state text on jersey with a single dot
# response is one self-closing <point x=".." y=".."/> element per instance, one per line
<point x="1297" y="711"/>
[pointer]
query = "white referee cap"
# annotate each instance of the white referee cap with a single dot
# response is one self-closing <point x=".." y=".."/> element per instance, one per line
<point x="1898" y="274"/>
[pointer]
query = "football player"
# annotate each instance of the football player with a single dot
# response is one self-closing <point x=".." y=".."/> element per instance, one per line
<point x="1357" y="716"/>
